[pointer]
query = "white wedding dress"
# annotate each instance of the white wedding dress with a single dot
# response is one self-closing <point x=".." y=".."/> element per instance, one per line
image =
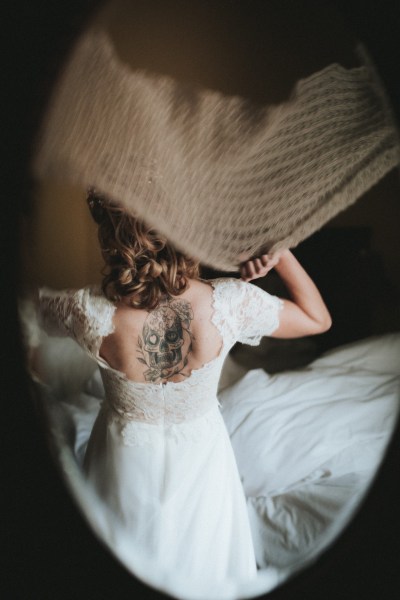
<point x="159" y="455"/>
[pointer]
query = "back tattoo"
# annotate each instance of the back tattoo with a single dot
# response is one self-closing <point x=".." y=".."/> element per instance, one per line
<point x="166" y="340"/>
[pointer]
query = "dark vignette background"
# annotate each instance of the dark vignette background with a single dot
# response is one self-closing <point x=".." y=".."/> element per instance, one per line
<point x="49" y="551"/>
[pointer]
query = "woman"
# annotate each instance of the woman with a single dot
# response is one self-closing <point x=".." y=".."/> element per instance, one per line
<point x="159" y="454"/>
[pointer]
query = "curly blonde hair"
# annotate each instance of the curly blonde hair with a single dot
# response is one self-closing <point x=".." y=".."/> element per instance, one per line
<point x="139" y="262"/>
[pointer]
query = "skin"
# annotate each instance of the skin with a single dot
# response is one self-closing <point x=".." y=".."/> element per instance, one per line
<point x="185" y="322"/>
<point x="305" y="313"/>
<point x="166" y="340"/>
<point x="167" y="343"/>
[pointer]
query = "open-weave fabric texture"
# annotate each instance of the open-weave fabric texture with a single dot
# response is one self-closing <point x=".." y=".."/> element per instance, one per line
<point x="218" y="175"/>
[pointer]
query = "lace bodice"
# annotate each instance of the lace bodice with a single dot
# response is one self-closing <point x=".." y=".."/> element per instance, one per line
<point x="241" y="312"/>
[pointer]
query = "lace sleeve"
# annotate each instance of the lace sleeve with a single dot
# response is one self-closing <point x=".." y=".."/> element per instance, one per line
<point x="79" y="314"/>
<point x="243" y="312"/>
<point x="257" y="313"/>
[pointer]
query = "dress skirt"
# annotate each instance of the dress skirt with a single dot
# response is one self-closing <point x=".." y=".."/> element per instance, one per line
<point x="177" y="491"/>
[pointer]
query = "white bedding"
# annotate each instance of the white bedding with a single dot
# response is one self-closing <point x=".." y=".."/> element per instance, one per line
<point x="307" y="442"/>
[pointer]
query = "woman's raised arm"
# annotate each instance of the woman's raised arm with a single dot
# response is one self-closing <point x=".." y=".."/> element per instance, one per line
<point x="305" y="313"/>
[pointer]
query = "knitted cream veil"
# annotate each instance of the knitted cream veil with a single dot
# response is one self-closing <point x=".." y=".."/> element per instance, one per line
<point x="215" y="174"/>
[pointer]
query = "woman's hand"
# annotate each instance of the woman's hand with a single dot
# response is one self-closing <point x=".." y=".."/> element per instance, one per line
<point x="259" y="267"/>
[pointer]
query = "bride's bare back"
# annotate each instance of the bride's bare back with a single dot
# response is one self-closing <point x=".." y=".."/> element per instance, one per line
<point x="165" y="343"/>
<point x="165" y="338"/>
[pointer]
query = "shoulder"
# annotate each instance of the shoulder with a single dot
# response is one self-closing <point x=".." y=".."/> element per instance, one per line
<point x="72" y="295"/>
<point x="226" y="282"/>
<point x="230" y="288"/>
<point x="88" y="297"/>
<point x="96" y="306"/>
<point x="67" y="297"/>
<point x="221" y="283"/>
<point x="58" y="302"/>
<point x="88" y="302"/>
<point x="245" y="298"/>
<point x="94" y="293"/>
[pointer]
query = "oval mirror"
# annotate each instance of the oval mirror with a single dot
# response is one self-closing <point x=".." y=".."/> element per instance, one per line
<point x="308" y="419"/>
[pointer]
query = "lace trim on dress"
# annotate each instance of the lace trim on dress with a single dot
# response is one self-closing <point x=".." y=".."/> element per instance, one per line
<point x="171" y="403"/>
<point x="257" y="314"/>
<point x="244" y="312"/>
<point x="239" y="311"/>
<point x="85" y="315"/>
<point x="135" y="433"/>
<point x="223" y="326"/>
<point x="223" y="315"/>
<point x="100" y="314"/>
<point x="57" y="311"/>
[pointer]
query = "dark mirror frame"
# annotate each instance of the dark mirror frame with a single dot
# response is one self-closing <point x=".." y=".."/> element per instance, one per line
<point x="49" y="550"/>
